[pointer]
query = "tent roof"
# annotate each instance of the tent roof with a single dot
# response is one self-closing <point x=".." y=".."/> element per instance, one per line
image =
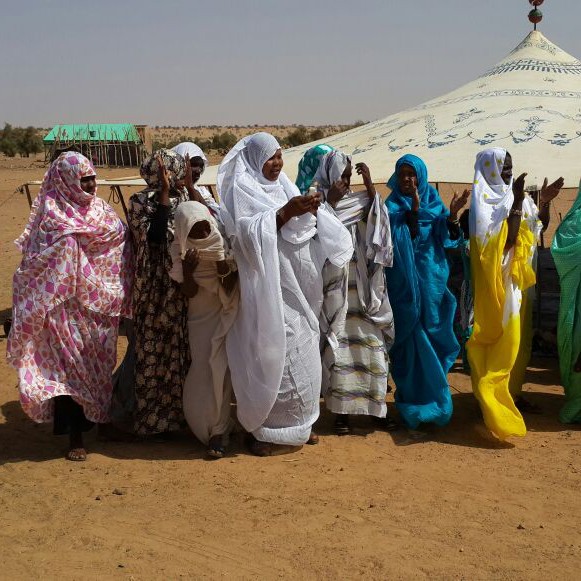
<point x="94" y="132"/>
<point x="529" y="103"/>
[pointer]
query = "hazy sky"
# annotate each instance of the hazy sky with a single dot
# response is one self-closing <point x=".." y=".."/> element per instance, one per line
<point x="172" y="62"/>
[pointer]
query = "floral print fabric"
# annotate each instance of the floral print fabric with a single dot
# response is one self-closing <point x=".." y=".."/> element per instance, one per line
<point x="68" y="293"/>
<point x="162" y="356"/>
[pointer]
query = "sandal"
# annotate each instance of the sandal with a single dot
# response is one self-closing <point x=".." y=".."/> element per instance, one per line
<point x="216" y="448"/>
<point x="76" y="455"/>
<point x="342" y="426"/>
<point x="313" y="439"/>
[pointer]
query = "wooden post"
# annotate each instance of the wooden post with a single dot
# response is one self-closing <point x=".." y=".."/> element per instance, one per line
<point x="27" y="190"/>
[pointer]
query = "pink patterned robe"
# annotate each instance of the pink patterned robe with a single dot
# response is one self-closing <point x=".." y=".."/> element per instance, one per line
<point x="70" y="289"/>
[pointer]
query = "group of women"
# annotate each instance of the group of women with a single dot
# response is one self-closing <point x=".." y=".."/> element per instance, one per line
<point x="277" y="295"/>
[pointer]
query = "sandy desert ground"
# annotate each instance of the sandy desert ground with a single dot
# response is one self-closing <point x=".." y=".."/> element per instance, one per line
<point x="458" y="505"/>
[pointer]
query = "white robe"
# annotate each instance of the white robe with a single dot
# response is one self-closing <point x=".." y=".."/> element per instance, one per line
<point x="273" y="347"/>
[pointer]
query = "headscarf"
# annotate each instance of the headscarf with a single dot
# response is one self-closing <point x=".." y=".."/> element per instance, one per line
<point x="74" y="246"/>
<point x="431" y="205"/>
<point x="492" y="199"/>
<point x="241" y="172"/>
<point x="174" y="163"/>
<point x="191" y="149"/>
<point x="188" y="214"/>
<point x="309" y="165"/>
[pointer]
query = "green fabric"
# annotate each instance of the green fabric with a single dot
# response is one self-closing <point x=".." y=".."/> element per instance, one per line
<point x="566" y="249"/>
<point x="94" y="132"/>
<point x="309" y="164"/>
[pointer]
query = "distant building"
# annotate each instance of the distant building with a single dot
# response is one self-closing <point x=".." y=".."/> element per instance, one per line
<point x="117" y="144"/>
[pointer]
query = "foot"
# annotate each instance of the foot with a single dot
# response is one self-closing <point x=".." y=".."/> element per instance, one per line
<point x="76" y="455"/>
<point x="387" y="423"/>
<point x="258" y="448"/>
<point x="313" y="439"/>
<point x="77" y="452"/>
<point x="526" y="407"/>
<point x="342" y="426"/>
<point x="216" y="448"/>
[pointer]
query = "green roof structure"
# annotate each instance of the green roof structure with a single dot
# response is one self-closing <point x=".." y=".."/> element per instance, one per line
<point x="89" y="132"/>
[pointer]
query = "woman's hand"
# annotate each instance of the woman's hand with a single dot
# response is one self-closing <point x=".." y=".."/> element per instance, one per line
<point x="162" y="175"/>
<point x="188" y="178"/>
<point x="191" y="260"/>
<point x="297" y="206"/>
<point x="228" y="277"/>
<point x="457" y="203"/>
<point x="415" y="200"/>
<point x="363" y="171"/>
<point x="300" y="205"/>
<point x="518" y="188"/>
<point x="337" y="191"/>
<point x="550" y="192"/>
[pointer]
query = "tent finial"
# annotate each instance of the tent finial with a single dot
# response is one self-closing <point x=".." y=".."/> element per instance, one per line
<point x="535" y="15"/>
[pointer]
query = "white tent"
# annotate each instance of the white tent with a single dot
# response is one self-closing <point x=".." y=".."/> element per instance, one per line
<point x="529" y="103"/>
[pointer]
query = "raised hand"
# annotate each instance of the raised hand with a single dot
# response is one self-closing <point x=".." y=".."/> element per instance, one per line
<point x="162" y="175"/>
<point x="188" y="178"/>
<point x="363" y="171"/>
<point x="458" y="202"/>
<point x="518" y="188"/>
<point x="550" y="192"/>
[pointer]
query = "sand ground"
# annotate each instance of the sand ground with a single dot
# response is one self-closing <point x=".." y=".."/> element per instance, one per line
<point x="458" y="505"/>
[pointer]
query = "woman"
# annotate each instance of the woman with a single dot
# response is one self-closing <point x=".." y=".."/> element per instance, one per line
<point x="504" y="229"/>
<point x="209" y="281"/>
<point x="425" y="346"/>
<point x="198" y="163"/>
<point x="356" y="319"/>
<point x="280" y="241"/>
<point x="162" y="355"/>
<point x="69" y="292"/>
<point x="566" y="249"/>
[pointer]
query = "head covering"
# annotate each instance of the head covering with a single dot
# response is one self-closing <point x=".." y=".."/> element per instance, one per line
<point x="331" y="168"/>
<point x="74" y="246"/>
<point x="259" y="148"/>
<point x="242" y="185"/>
<point x="309" y="165"/>
<point x="431" y="205"/>
<point x="188" y="214"/>
<point x="174" y="163"/>
<point x="491" y="199"/>
<point x="191" y="149"/>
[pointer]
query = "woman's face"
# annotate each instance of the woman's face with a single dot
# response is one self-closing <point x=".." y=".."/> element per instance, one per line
<point x="200" y="230"/>
<point x="273" y="166"/>
<point x="506" y="173"/>
<point x="89" y="184"/>
<point x="197" y="164"/>
<point x="407" y="180"/>
<point x="346" y="175"/>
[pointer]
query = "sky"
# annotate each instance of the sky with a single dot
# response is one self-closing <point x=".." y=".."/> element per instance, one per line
<point x="222" y="62"/>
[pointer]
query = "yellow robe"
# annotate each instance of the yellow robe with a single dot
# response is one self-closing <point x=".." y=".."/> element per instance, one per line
<point x="499" y="318"/>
